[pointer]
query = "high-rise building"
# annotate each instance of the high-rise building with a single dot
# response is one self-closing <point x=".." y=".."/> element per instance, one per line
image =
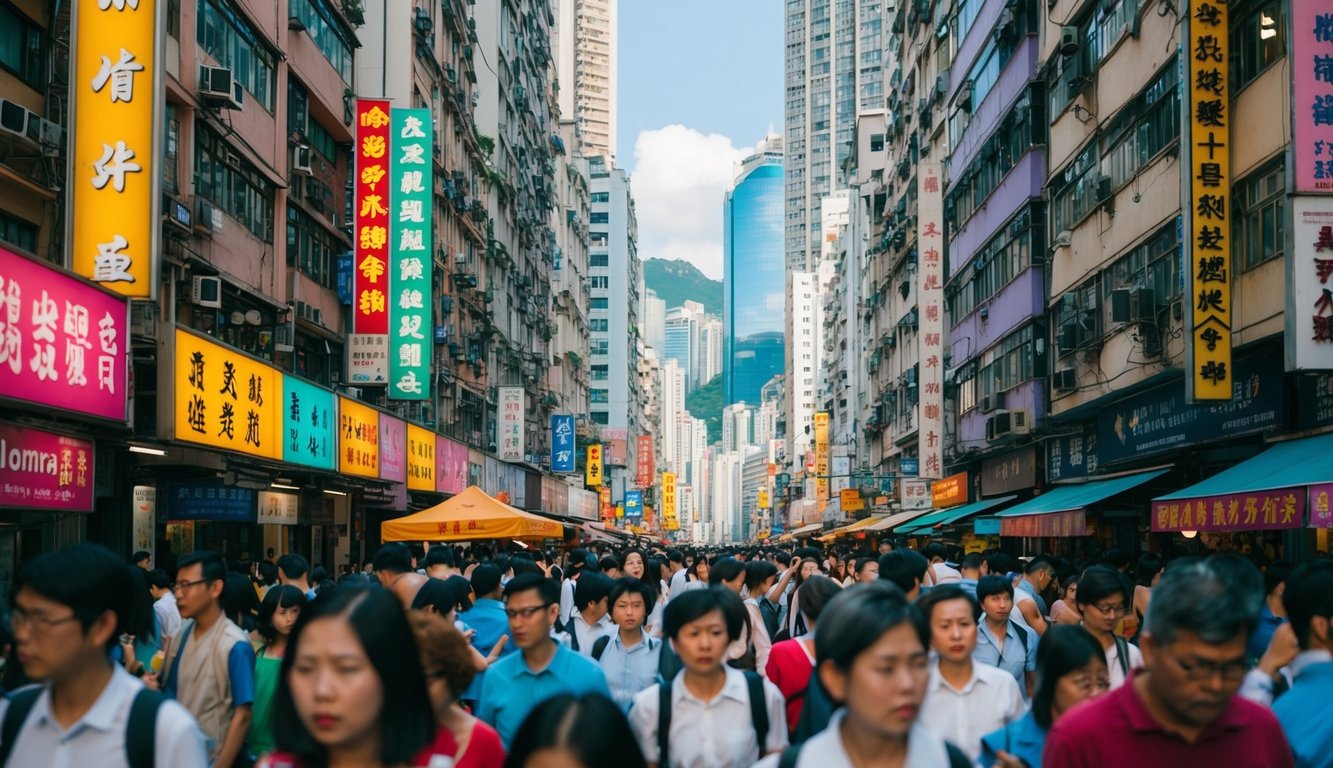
<point x="654" y="322"/>
<point x="567" y="377"/>
<point x="686" y="341"/>
<point x="737" y="426"/>
<point x="616" y="279"/>
<point x="754" y="272"/>
<point x="804" y="315"/>
<point x="587" y="72"/>
<point x="673" y="405"/>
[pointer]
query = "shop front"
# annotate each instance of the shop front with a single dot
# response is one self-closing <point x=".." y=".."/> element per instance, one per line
<point x="1079" y="520"/>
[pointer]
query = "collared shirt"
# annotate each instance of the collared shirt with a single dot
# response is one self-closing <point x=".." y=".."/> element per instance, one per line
<point x="709" y="734"/>
<point x="1300" y="711"/>
<point x="511" y="689"/>
<point x="630" y="669"/>
<point x="98" y="738"/>
<point x="1116" y="730"/>
<point x="678" y="581"/>
<point x="968" y="585"/>
<point x="946" y="574"/>
<point x="1017" y="656"/>
<point x="990" y="700"/>
<point x="1116" y="672"/>
<point x="826" y="750"/>
<point x="1263" y="634"/>
<point x="1258" y="686"/>
<point x="580" y="635"/>
<point x="1022" y="738"/>
<point x="487" y="617"/>
<point x="168" y="615"/>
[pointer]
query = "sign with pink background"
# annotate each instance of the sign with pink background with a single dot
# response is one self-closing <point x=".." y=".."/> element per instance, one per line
<point x="63" y="342"/>
<point x="1321" y="506"/>
<point x="41" y="470"/>
<point x="393" y="449"/>
<point x="1254" y="511"/>
<point x="451" y="473"/>
<point x="1312" y="93"/>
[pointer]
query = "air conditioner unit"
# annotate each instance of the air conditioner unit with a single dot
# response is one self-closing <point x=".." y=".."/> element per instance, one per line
<point x="1133" y="305"/>
<point x="176" y="214"/>
<point x="1063" y="239"/>
<point x="1064" y="380"/>
<point x="283" y="338"/>
<point x="352" y="392"/>
<point x="206" y="291"/>
<point x="942" y="83"/>
<point x="219" y="89"/>
<point x="992" y="403"/>
<point x="301" y="160"/>
<point x="1104" y="189"/>
<point x="1007" y="424"/>
<point x="1068" y="41"/>
<point x="14" y="119"/>
<point x="44" y="132"/>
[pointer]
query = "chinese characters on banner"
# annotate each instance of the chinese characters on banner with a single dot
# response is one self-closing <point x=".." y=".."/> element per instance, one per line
<point x="420" y="458"/>
<point x="930" y="303"/>
<point x="451" y="475"/>
<point x="367" y="358"/>
<point x="358" y="439"/>
<point x="1312" y="91"/>
<point x="1321" y="511"/>
<point x="562" y="443"/>
<point x="670" y="518"/>
<point x="370" y="208"/>
<point x="821" y="457"/>
<point x="593" y="465"/>
<point x="633" y="507"/>
<point x="1072" y="522"/>
<point x="643" y="452"/>
<point x="112" y="195"/>
<point x="608" y="511"/>
<point x="226" y="399"/>
<point x="949" y="492"/>
<point x="1309" y="335"/>
<point x="914" y="494"/>
<point x="278" y="509"/>
<point x="849" y="499"/>
<point x="309" y="416"/>
<point x="42" y="470"/>
<point x="1208" y="241"/>
<point x="62" y="341"/>
<point x="764" y="504"/>
<point x="411" y="241"/>
<point x="511" y="423"/>
<point x="1259" y="511"/>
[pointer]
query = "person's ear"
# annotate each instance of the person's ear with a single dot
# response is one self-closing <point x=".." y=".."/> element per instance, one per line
<point x="835" y="681"/>
<point x="215" y="588"/>
<point x="103" y="628"/>
<point x="1319" y="629"/>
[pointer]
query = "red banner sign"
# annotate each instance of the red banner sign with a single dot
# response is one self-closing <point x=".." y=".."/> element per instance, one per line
<point x="608" y="511"/>
<point x="370" y="284"/>
<point x="1058" y="524"/>
<point x="1259" y="511"/>
<point x="644" y="454"/>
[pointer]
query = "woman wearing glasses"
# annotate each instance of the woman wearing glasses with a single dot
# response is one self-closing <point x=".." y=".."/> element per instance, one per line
<point x="1102" y="600"/>
<point x="1071" y="668"/>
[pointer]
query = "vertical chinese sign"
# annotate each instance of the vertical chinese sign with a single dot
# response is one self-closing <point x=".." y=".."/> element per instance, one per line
<point x="821" y="457"/>
<point x="226" y="399"/>
<point x="309" y="416"/>
<point x="113" y="198"/>
<point x="370" y="209"/>
<point x="1312" y="91"/>
<point x="670" y="515"/>
<point x="511" y="423"/>
<point x="643" y="454"/>
<point x="930" y="303"/>
<point x="562" y="444"/>
<point x="1309" y="316"/>
<point x="1309" y="336"/>
<point x="420" y="459"/>
<point x="1208" y="240"/>
<point x="410" y="239"/>
<point x="358" y="439"/>
<point x="593" y="466"/>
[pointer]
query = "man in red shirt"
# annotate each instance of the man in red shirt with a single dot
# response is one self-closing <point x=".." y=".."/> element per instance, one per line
<point x="1181" y="708"/>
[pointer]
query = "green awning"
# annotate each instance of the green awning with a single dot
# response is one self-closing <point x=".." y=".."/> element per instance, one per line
<point x="1285" y="465"/>
<point x="953" y="515"/>
<point x="1069" y="498"/>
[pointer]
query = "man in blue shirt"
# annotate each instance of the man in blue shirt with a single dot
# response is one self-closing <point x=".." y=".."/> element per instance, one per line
<point x="1002" y="642"/>
<point x="1308" y="602"/>
<point x="487" y="619"/>
<point x="1272" y="615"/>
<point x="970" y="568"/>
<point x="629" y="656"/>
<point x="543" y="668"/>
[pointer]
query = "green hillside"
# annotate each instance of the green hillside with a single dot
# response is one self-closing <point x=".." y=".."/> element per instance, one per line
<point x="706" y="403"/>
<point x="676" y="282"/>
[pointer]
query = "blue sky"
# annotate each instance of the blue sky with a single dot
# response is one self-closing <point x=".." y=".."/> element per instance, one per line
<point x="699" y="83"/>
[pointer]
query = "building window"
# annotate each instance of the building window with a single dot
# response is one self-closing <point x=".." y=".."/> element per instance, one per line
<point x="1259" y="210"/>
<point x="598" y="260"/>
<point x="1018" y="357"/>
<point x="327" y="34"/>
<point x="18" y="232"/>
<point x="598" y="325"/>
<point x="599" y="217"/>
<point x="299" y="120"/>
<point x="171" y="150"/>
<point x="1258" y="38"/>
<point x="599" y="346"/>
<point x="1004" y="257"/>
<point x="598" y="373"/>
<point x="224" y="33"/>
<point x="233" y="184"/>
<point x="599" y="197"/>
<point x="599" y="396"/>
<point x="1148" y="124"/>
<point x="601" y="417"/>
<point x="1018" y="131"/>
<point x="311" y="248"/>
<point x="599" y="303"/>
<point x="1155" y="265"/>
<point x="22" y="47"/>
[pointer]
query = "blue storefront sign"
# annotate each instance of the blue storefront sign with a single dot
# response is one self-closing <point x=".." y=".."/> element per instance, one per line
<point x="344" y="267"/>
<point x="909" y="467"/>
<point x="1159" y="421"/>
<point x="1072" y="454"/>
<point x="309" y="418"/>
<point x="562" y="444"/>
<point x="633" y="507"/>
<point x="211" y="501"/>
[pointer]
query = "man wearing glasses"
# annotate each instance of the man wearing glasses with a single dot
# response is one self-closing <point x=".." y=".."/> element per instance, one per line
<point x="543" y="668"/>
<point x="209" y="665"/>
<point x="1102" y="600"/>
<point x="1181" y="708"/>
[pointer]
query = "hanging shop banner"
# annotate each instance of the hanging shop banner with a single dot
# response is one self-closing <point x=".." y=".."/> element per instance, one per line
<point x="1309" y="316"/>
<point x="62" y="341"/>
<point x="1321" y="506"/>
<point x="1053" y="524"/>
<point x="42" y="470"/>
<point x="615" y="446"/>
<point x="821" y="456"/>
<point x="582" y="503"/>
<point x="393" y="449"/>
<point x="670" y="511"/>
<point x="1208" y="244"/>
<point x="309" y="416"/>
<point x="909" y="467"/>
<point x="512" y="416"/>
<point x="764" y="502"/>
<point x="410" y="243"/>
<point x="930" y="301"/>
<point x="914" y="494"/>
<point x="226" y="399"/>
<point x="949" y="492"/>
<point x="370" y="208"/>
<point x="849" y="499"/>
<point x="604" y="499"/>
<point x="211" y="501"/>
<point x="1009" y="472"/>
<point x="358" y="439"/>
<point x="562" y="444"/>
<point x="840" y="471"/>
<point x="1310" y="42"/>
<point x="144" y="525"/>
<point x="278" y="508"/>
<point x="113" y="194"/>
<point x="367" y="358"/>
<point x="421" y="464"/>
<point x="1073" y="454"/>
<point x="643" y="456"/>
<point x="1257" y="511"/>
<point x="633" y="506"/>
<point x="452" y="474"/>
<point x="593" y="465"/>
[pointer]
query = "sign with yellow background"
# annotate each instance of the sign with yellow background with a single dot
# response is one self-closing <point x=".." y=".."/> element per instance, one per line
<point x="850" y="500"/>
<point x="821" y="456"/>
<point x="670" y="521"/>
<point x="594" y="466"/>
<point x="420" y="458"/>
<point x="358" y="439"/>
<point x="225" y="398"/>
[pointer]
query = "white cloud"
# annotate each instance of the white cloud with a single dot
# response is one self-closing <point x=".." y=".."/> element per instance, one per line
<point x="680" y="176"/>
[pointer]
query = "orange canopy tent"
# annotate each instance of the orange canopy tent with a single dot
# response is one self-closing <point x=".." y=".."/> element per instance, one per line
<point x="470" y="516"/>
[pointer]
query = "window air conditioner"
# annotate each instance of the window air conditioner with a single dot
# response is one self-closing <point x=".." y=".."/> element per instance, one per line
<point x="206" y="291"/>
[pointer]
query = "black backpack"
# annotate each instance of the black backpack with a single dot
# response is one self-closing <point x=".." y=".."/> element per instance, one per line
<point x="771" y="613"/>
<point x="599" y="645"/>
<point x="816" y="712"/>
<point x="758" y="715"/>
<point x="140" y="729"/>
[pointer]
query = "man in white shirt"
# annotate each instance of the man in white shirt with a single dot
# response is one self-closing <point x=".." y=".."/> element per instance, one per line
<point x="940" y="569"/>
<point x="677" y="576"/>
<point x="591" y="619"/>
<point x="164" y="603"/>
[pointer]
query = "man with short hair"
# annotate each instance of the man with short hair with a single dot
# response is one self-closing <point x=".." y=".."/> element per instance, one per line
<point x="68" y="611"/>
<point x="440" y="562"/>
<point x="970" y="571"/>
<point x="1037" y="576"/>
<point x="393" y="569"/>
<point x="1181" y="709"/>
<point x="209" y="664"/>
<point x="294" y="571"/>
<point x="164" y="603"/>
<point x="1001" y="641"/>
<point x="885" y="546"/>
<point x="867" y="570"/>
<point x="1308" y="603"/>
<point x="676" y="576"/>
<point x="143" y="559"/>
<point x="940" y="570"/>
<point x="543" y="668"/>
<point x="591" y="619"/>
<point x="905" y="569"/>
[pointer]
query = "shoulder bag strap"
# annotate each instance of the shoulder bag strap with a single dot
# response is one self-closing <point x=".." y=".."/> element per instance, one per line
<point x="21" y="703"/>
<point x="1122" y="653"/>
<point x="664" y="724"/>
<point x="141" y="729"/>
<point x="790" y="756"/>
<point x="758" y="708"/>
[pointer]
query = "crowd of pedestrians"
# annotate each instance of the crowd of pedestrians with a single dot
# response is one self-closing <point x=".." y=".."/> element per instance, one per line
<point x="438" y="656"/>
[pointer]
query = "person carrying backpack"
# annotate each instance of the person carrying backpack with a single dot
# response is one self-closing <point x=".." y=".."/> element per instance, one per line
<point x="629" y="657"/>
<point x="1001" y="641"/>
<point x="70" y="608"/>
<point x="759" y="578"/>
<point x="791" y="663"/>
<point x="709" y="714"/>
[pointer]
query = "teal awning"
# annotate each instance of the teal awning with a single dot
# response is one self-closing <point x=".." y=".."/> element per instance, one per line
<point x="1068" y="498"/>
<point x="986" y="525"/>
<point x="1285" y="465"/>
<point x="952" y="515"/>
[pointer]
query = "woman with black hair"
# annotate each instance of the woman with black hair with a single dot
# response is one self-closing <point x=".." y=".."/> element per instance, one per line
<point x="791" y="663"/>
<point x="1071" y="668"/>
<point x="142" y="639"/>
<point x="278" y="613"/>
<point x="586" y="731"/>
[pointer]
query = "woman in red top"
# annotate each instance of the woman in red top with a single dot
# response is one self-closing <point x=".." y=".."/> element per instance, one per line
<point x="792" y="662"/>
<point x="447" y="659"/>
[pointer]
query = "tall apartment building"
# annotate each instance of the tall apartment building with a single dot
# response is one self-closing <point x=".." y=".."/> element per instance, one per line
<point x="616" y="276"/>
<point x="686" y="340"/>
<point x="654" y="321"/>
<point x="804" y="317"/>
<point x="673" y="405"/>
<point x="567" y="375"/>
<point x="587" y="72"/>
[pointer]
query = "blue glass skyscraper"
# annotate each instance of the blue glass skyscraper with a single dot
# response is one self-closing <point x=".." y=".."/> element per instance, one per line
<point x="753" y="304"/>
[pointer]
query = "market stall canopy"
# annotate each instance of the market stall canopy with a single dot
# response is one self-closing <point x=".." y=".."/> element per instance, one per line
<point x="953" y="515"/>
<point x="1062" y="511"/>
<point x="893" y="521"/>
<point x="1266" y="492"/>
<point x="471" y="515"/>
<point x="859" y="525"/>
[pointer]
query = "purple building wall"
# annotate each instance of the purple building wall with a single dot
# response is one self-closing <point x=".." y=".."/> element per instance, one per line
<point x="986" y="115"/>
<point x="1022" y="299"/>
<point x="1029" y="396"/>
<point x="1023" y="182"/>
